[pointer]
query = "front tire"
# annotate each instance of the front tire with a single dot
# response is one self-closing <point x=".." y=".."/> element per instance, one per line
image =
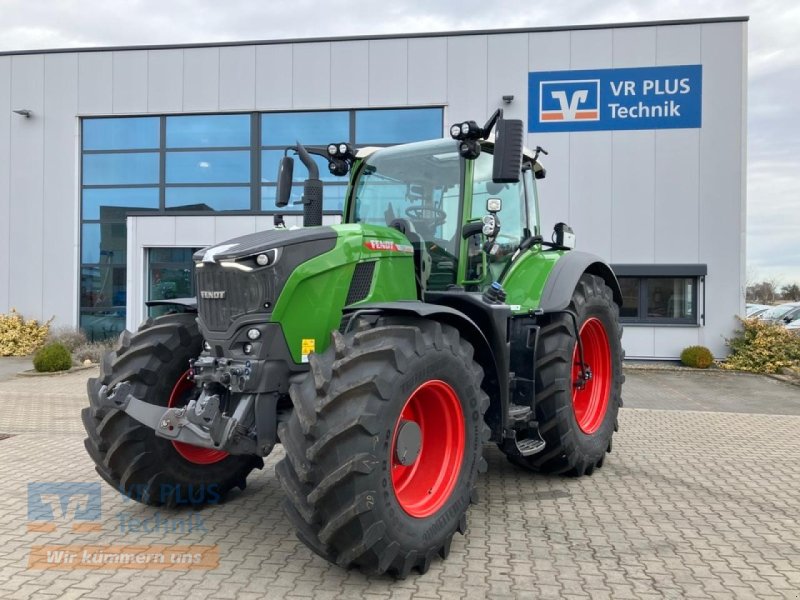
<point x="384" y="446"/>
<point x="127" y="454"/>
<point x="576" y="421"/>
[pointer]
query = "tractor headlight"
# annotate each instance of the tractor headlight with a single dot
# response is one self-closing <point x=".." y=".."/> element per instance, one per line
<point x="332" y="149"/>
<point x="253" y="334"/>
<point x="465" y="128"/>
<point x="262" y="260"/>
<point x="455" y="131"/>
<point x="343" y="149"/>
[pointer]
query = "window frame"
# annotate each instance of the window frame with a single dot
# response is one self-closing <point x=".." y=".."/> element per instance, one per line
<point x="254" y="185"/>
<point x="644" y="273"/>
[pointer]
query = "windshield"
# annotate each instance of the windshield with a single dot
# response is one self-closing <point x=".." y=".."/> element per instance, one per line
<point x="420" y="183"/>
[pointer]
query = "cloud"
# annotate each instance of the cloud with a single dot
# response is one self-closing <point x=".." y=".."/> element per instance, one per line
<point x="774" y="61"/>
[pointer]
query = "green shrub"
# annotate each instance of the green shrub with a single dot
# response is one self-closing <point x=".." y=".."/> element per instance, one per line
<point x="93" y="351"/>
<point x="69" y="337"/>
<point x="763" y="347"/>
<point x="698" y="357"/>
<point x="20" y="337"/>
<point x="52" y="357"/>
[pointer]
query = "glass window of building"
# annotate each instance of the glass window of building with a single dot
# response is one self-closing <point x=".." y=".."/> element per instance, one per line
<point x="196" y="164"/>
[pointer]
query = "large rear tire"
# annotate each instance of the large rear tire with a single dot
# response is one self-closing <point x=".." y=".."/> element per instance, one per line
<point x="576" y="421"/>
<point x="127" y="454"/>
<point x="384" y="446"/>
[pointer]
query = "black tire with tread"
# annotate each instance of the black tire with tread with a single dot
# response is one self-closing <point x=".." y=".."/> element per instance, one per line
<point x="337" y="470"/>
<point x="127" y="454"/>
<point x="569" y="450"/>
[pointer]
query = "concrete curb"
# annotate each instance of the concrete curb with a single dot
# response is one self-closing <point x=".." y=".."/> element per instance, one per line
<point x="32" y="373"/>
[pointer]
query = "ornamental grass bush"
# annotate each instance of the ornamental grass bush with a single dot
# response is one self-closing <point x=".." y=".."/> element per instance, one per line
<point x="21" y="337"/>
<point x="763" y="347"/>
<point x="52" y="357"/>
<point x="93" y="351"/>
<point x="698" y="357"/>
<point x="69" y="337"/>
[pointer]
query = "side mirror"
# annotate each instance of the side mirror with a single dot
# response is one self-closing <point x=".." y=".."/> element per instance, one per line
<point x="508" y="142"/>
<point x="472" y="228"/>
<point x="284" y="185"/>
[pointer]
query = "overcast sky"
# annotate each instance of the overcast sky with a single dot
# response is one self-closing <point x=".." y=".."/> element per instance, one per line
<point x="773" y="222"/>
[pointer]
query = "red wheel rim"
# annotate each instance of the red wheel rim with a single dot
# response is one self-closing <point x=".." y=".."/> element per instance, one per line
<point x="423" y="486"/>
<point x="590" y="398"/>
<point x="194" y="454"/>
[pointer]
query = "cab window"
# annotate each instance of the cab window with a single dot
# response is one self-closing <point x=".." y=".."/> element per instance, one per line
<point x="513" y="216"/>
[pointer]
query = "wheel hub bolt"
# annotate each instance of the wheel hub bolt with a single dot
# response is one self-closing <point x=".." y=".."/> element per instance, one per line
<point x="408" y="444"/>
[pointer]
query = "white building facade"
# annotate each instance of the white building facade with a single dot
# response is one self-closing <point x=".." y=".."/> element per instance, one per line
<point x="115" y="163"/>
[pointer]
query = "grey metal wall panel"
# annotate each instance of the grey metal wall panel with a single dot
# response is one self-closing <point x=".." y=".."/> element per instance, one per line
<point x="669" y="342"/>
<point x="60" y="194"/>
<point x="95" y="73"/>
<point x="634" y="47"/>
<point x="129" y="82"/>
<point x="388" y="72"/>
<point x="237" y="78"/>
<point x="638" y="341"/>
<point x="507" y="74"/>
<point x="722" y="148"/>
<point x="677" y="177"/>
<point x="164" y="81"/>
<point x="25" y="192"/>
<point x="592" y="49"/>
<point x="678" y="45"/>
<point x="677" y="180"/>
<point x="311" y="76"/>
<point x="633" y="197"/>
<point x="427" y="71"/>
<point x="5" y="173"/>
<point x="466" y="56"/>
<point x="551" y="52"/>
<point x="274" y="77"/>
<point x="590" y="191"/>
<point x="349" y="80"/>
<point x="194" y="231"/>
<point x="201" y="79"/>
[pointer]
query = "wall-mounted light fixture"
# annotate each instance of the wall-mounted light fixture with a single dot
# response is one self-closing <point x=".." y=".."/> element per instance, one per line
<point x="508" y="98"/>
<point x="25" y="112"/>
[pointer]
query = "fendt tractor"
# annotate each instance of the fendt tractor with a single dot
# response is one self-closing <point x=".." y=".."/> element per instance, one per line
<point x="383" y="353"/>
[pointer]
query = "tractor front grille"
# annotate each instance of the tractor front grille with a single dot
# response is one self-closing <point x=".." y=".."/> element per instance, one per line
<point x="230" y="293"/>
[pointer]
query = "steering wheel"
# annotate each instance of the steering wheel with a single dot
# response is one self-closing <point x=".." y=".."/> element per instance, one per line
<point x="422" y="213"/>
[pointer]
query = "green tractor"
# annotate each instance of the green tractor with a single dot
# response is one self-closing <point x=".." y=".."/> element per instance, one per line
<point x="382" y="353"/>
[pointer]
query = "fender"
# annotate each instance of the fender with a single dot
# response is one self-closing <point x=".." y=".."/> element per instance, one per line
<point x="495" y="381"/>
<point x="557" y="292"/>
<point x="188" y="304"/>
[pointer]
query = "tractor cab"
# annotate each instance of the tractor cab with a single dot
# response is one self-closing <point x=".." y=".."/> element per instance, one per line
<point x="441" y="201"/>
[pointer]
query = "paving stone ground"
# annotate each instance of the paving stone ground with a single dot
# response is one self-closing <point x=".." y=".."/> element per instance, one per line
<point x="691" y="504"/>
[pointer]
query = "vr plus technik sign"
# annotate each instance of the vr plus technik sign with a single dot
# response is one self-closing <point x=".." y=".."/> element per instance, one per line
<point x="608" y="99"/>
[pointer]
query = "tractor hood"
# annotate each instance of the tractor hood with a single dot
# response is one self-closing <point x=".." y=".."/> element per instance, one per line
<point x="256" y="243"/>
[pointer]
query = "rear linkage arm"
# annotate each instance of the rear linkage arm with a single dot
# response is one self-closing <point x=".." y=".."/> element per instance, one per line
<point x="200" y="422"/>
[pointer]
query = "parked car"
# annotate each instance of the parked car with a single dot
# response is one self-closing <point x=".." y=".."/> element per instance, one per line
<point x="783" y="313"/>
<point x="753" y="310"/>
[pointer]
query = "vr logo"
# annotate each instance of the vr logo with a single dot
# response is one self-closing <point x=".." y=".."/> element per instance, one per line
<point x="576" y="100"/>
<point x="63" y="501"/>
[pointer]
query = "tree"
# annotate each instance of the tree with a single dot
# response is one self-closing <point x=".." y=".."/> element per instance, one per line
<point x="791" y="292"/>
<point x="762" y="292"/>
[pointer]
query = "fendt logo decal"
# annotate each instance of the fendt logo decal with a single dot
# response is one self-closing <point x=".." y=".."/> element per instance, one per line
<point x="669" y="97"/>
<point x="388" y="246"/>
<point x="575" y="100"/>
<point x="212" y="294"/>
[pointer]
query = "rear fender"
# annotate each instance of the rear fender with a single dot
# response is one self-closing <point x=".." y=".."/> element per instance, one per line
<point x="566" y="273"/>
